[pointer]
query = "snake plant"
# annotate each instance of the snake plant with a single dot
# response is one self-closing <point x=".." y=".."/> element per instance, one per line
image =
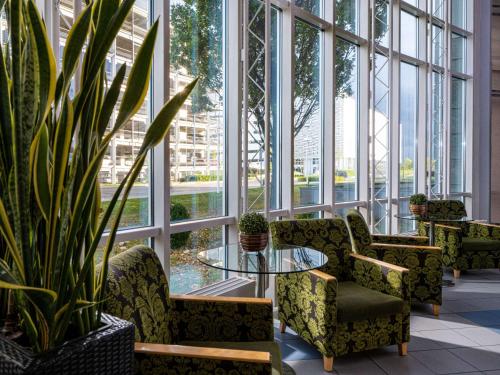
<point x="52" y="144"/>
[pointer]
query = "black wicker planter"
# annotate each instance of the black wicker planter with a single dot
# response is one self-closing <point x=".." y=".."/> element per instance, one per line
<point x="108" y="350"/>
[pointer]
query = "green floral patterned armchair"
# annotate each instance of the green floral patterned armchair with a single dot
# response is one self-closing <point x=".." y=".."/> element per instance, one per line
<point x="354" y="303"/>
<point x="189" y="334"/>
<point x="424" y="262"/>
<point x="466" y="246"/>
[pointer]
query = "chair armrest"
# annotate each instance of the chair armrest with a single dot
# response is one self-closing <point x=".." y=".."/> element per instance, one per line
<point x="484" y="230"/>
<point x="381" y="276"/>
<point x="203" y="318"/>
<point x="202" y="352"/>
<point x="411" y="248"/>
<point x="307" y="304"/>
<point x="401" y="240"/>
<point x="158" y="358"/>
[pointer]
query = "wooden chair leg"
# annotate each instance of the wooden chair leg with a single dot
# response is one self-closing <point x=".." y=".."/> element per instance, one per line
<point x="282" y="327"/>
<point x="403" y="348"/>
<point x="328" y="363"/>
<point x="435" y="310"/>
<point x="456" y="274"/>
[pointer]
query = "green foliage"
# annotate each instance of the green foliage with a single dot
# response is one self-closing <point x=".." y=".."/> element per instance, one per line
<point x="418" y="199"/>
<point x="52" y="145"/>
<point x="179" y="212"/>
<point x="253" y="223"/>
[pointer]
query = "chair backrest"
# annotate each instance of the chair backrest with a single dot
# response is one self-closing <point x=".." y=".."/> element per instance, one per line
<point x="329" y="236"/>
<point x="360" y="233"/>
<point x="137" y="291"/>
<point x="446" y="208"/>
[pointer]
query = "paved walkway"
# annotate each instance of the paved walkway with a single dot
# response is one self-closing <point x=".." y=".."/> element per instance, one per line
<point x="465" y="339"/>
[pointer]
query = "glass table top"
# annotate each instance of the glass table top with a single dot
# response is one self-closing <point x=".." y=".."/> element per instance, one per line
<point x="437" y="219"/>
<point x="272" y="260"/>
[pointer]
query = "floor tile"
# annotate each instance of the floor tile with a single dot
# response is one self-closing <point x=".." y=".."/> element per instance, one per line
<point x="309" y="367"/>
<point x="482" y="336"/>
<point x="484" y="358"/>
<point x="356" y="364"/>
<point x="455" y="321"/>
<point x="448" y="338"/>
<point x="442" y="362"/>
<point x="392" y="363"/>
<point x="295" y="350"/>
<point x="418" y="342"/>
<point x="425" y="323"/>
<point x="483" y="318"/>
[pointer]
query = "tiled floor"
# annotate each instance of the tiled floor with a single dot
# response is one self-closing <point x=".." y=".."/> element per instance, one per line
<point x="465" y="339"/>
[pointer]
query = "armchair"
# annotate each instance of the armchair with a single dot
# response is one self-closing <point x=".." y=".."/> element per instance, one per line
<point x="471" y="245"/>
<point x="189" y="334"/>
<point x="424" y="262"/>
<point x="352" y="304"/>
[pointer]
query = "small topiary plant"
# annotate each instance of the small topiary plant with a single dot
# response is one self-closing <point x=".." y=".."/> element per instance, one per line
<point x="418" y="199"/>
<point x="253" y="223"/>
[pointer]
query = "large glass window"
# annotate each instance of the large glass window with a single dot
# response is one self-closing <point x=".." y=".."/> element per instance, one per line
<point x="436" y="135"/>
<point x="4" y="33"/>
<point x="437" y="45"/>
<point x="346" y="122"/>
<point x="408" y="129"/>
<point x="346" y="16"/>
<point x="197" y="138"/>
<point x="382" y="22"/>
<point x="409" y="34"/>
<point x="457" y="136"/>
<point x="256" y="107"/>
<point x="438" y="8"/>
<point x="308" y="129"/>
<point x="458" y="53"/>
<point x="313" y="6"/>
<point x="459" y="13"/>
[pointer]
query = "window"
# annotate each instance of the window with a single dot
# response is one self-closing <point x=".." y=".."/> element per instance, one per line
<point x="457" y="136"/>
<point x="346" y="122"/>
<point x="409" y="34"/>
<point x="458" y="53"/>
<point x="436" y="136"/>
<point x="313" y="6"/>
<point x="382" y="22"/>
<point x="346" y="15"/>
<point x="4" y="32"/>
<point x="308" y="129"/>
<point x="256" y="108"/>
<point x="438" y="50"/>
<point x="408" y="130"/>
<point x="459" y="13"/>
<point x="438" y="8"/>
<point x="197" y="138"/>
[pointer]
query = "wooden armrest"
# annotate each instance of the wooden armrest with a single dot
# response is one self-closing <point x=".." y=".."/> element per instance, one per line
<point x="379" y="262"/>
<point x="203" y="352"/>
<point x="423" y="238"/>
<point x="398" y="246"/>
<point x="187" y="298"/>
<point x="323" y="275"/>
<point x="485" y="224"/>
<point x="448" y="227"/>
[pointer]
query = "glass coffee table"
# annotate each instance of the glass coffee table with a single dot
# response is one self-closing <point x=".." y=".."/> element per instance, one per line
<point x="433" y="220"/>
<point x="273" y="260"/>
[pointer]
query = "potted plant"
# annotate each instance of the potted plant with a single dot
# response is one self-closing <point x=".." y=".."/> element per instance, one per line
<point x="253" y="231"/>
<point x="52" y="144"/>
<point x="418" y="204"/>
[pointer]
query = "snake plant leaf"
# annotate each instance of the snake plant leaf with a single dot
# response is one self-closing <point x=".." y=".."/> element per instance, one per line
<point x="110" y="101"/>
<point x="46" y="61"/>
<point x="40" y="171"/>
<point x="138" y="79"/>
<point x="105" y="11"/>
<point x="2" y="3"/>
<point x="80" y="304"/>
<point x="8" y="236"/>
<point x="74" y="45"/>
<point x="6" y="116"/>
<point x="160" y="125"/>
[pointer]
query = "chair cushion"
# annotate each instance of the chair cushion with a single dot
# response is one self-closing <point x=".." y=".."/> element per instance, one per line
<point x="355" y="302"/>
<point x="470" y="244"/>
<point x="259" y="346"/>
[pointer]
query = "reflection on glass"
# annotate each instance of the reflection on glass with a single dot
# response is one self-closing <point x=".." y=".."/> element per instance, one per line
<point x="307" y="121"/>
<point x="406" y="226"/>
<point x="409" y="34"/>
<point x="408" y="128"/>
<point x="457" y="53"/>
<point x="459" y="13"/>
<point x="346" y="15"/>
<point x="382" y="22"/>
<point x="437" y="45"/>
<point x="436" y="134"/>
<point x="197" y="136"/>
<point x="186" y="273"/>
<point x="256" y="106"/>
<point x="120" y="247"/>
<point x="379" y="136"/>
<point x="346" y="122"/>
<point x="313" y="6"/>
<point x="4" y="32"/>
<point x="438" y="8"/>
<point x="457" y="136"/>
